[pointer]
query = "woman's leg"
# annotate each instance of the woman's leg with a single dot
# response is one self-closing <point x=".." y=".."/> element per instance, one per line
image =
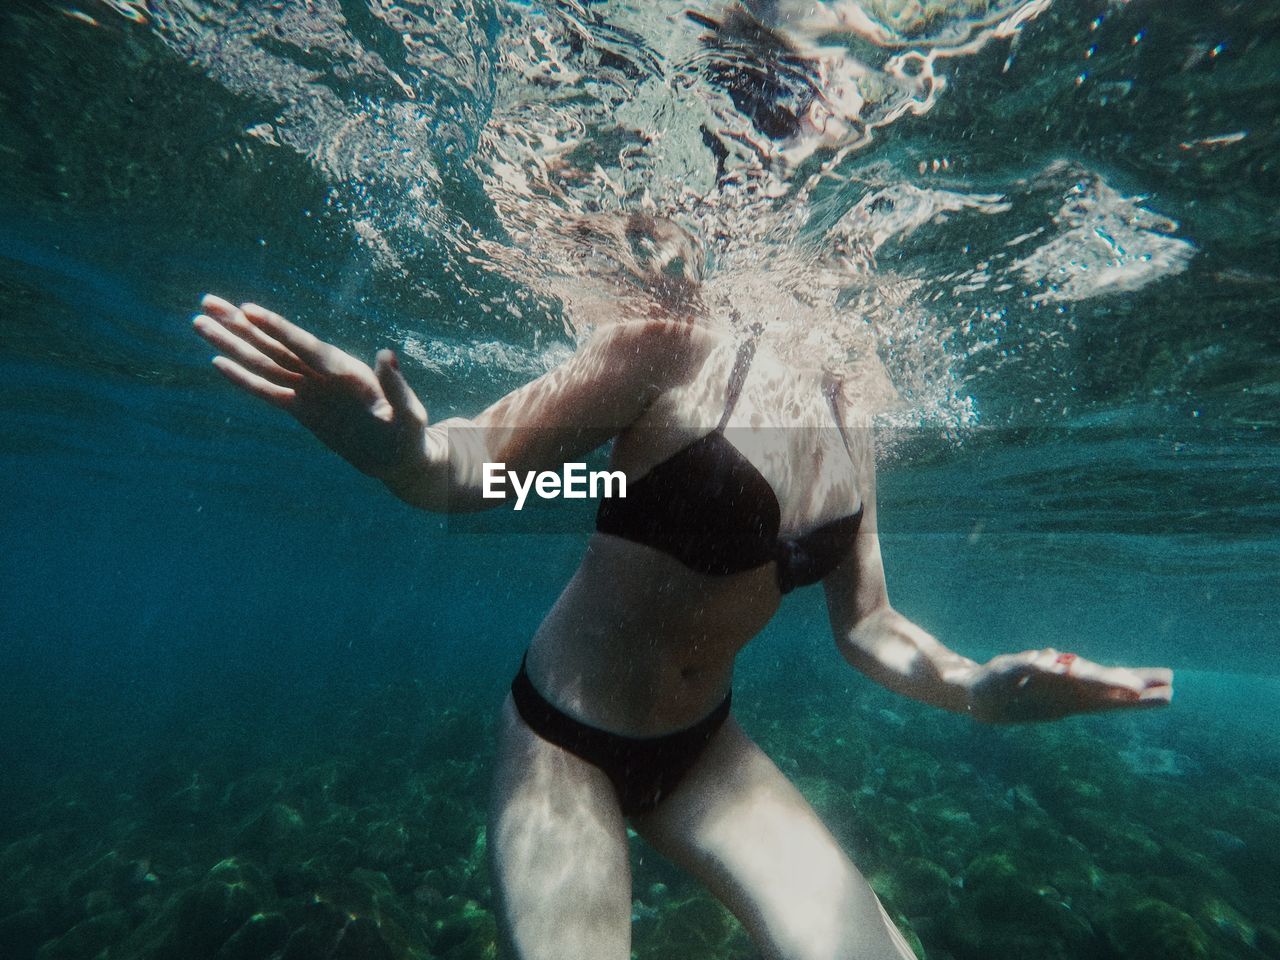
<point x="738" y="825"/>
<point x="557" y="848"/>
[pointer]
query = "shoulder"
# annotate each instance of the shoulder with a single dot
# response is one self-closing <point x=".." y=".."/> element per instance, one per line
<point x="664" y="353"/>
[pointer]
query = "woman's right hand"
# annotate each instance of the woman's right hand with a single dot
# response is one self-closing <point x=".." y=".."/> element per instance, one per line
<point x="369" y="417"/>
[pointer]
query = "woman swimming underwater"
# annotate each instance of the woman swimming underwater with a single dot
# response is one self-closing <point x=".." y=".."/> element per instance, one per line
<point x="620" y="713"/>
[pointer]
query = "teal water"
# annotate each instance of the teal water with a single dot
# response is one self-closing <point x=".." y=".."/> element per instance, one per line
<point x="246" y="698"/>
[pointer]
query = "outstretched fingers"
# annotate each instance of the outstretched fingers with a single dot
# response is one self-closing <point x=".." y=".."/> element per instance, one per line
<point x="1155" y="686"/>
<point x="1126" y="687"/>
<point x="260" y="387"/>
<point x="237" y="321"/>
<point x="243" y="352"/>
<point x="306" y="346"/>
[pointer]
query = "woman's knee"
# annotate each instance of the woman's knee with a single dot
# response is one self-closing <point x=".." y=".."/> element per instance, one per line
<point x="847" y="923"/>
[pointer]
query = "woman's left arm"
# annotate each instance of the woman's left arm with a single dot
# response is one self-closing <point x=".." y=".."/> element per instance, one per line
<point x="903" y="657"/>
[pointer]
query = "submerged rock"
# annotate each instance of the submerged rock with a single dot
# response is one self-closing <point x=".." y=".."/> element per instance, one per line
<point x="277" y="833"/>
<point x="1158" y="762"/>
<point x="1154" y="930"/>
<point x="1217" y="914"/>
<point x="331" y="934"/>
<point x="111" y="873"/>
<point x="1225" y="841"/>
<point x="361" y="940"/>
<point x="469" y="931"/>
<point x="386" y="843"/>
<point x="925" y="887"/>
<point x="98" y="901"/>
<point x="23" y="932"/>
<point x="1004" y="915"/>
<point x="196" y="923"/>
<point x="698" y="928"/>
<point x="260" y="937"/>
<point x="314" y="940"/>
<point x="368" y="892"/>
<point x="1268" y="942"/>
<point x="88" y="938"/>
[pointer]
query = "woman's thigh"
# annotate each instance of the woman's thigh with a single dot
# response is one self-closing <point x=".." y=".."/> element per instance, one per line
<point x="744" y="830"/>
<point x="558" y="853"/>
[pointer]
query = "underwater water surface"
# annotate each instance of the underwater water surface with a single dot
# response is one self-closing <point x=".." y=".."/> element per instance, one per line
<point x="247" y="699"/>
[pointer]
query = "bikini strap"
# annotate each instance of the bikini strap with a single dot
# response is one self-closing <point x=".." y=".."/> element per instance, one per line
<point x="741" y="365"/>
<point x="833" y="391"/>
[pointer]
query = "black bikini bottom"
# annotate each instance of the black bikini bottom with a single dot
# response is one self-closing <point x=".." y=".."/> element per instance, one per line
<point x="642" y="769"/>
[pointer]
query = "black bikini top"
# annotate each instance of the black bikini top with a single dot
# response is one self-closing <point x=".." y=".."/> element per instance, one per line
<point x="709" y="507"/>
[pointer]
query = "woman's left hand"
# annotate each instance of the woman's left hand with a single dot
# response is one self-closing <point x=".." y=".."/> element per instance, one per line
<point x="1047" y="684"/>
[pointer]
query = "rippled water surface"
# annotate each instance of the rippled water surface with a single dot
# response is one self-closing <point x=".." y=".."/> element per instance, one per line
<point x="1038" y="239"/>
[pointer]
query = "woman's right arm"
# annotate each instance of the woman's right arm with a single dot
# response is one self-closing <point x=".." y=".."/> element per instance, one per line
<point x="372" y="419"/>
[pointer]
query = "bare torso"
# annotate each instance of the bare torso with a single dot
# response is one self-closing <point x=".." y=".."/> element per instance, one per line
<point x="640" y="644"/>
